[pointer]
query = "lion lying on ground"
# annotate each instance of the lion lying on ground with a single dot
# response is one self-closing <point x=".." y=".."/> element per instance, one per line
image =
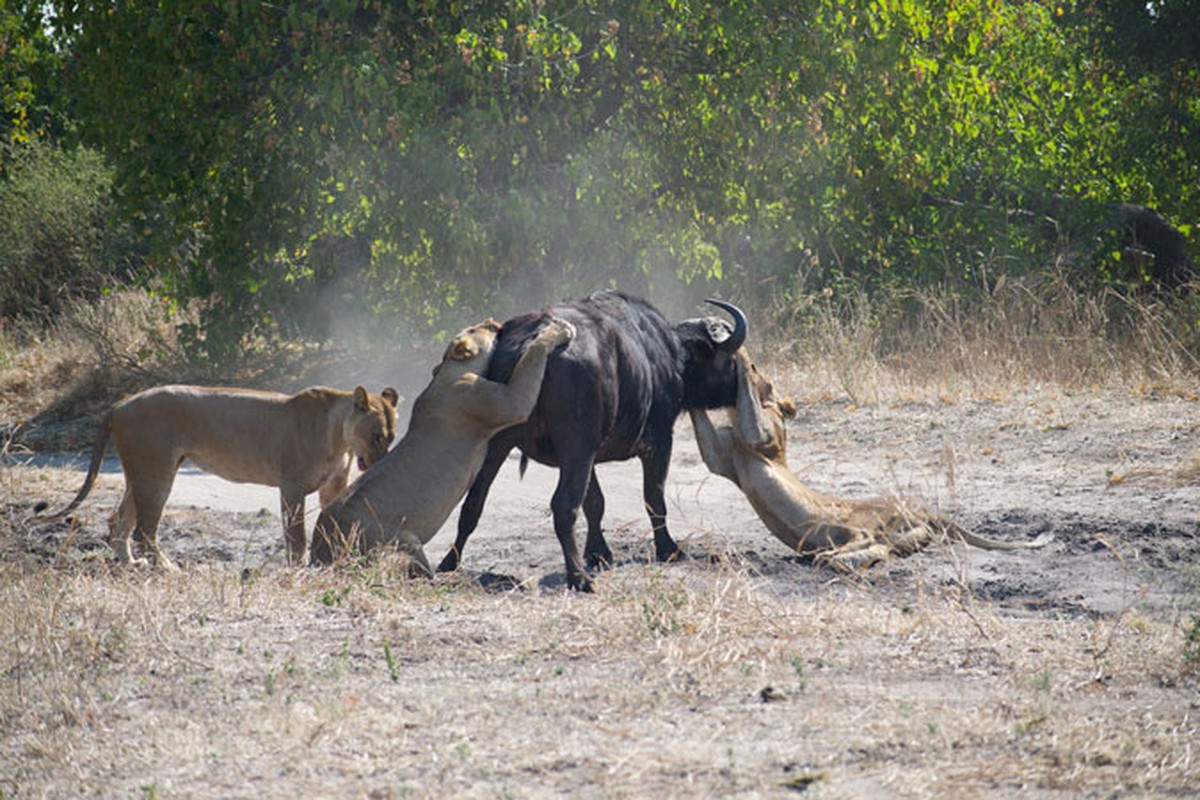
<point x="751" y="451"/>
<point x="406" y="497"/>
<point x="301" y="443"/>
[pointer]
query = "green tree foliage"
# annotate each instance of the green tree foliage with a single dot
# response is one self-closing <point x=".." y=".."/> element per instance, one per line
<point x="29" y="69"/>
<point x="429" y="159"/>
<point x="59" y="234"/>
<point x="1149" y="55"/>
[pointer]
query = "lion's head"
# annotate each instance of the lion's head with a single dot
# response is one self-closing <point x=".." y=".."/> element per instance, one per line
<point x="781" y="404"/>
<point x="372" y="424"/>
<point x="471" y="348"/>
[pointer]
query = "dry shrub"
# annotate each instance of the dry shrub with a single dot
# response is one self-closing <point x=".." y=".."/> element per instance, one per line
<point x="91" y="355"/>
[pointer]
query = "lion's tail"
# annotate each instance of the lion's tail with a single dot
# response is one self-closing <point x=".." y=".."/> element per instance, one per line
<point x="93" y="470"/>
<point x="984" y="543"/>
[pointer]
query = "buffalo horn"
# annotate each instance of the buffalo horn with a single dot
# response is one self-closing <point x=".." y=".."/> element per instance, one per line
<point x="740" y="326"/>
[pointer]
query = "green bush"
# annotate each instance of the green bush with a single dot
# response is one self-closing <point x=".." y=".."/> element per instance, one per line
<point x="60" y="237"/>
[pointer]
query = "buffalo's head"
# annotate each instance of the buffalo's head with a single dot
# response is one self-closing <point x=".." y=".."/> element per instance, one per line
<point x="709" y="370"/>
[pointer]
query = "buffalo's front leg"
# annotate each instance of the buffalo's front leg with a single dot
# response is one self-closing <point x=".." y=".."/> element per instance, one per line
<point x="654" y="478"/>
<point x="573" y="480"/>
<point x="596" y="553"/>
<point x="472" y="507"/>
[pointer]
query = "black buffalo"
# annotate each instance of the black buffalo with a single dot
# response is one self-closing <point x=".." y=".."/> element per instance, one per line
<point x="612" y="394"/>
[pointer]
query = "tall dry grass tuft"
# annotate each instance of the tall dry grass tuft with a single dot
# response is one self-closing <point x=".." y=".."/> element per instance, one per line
<point x="1042" y="329"/>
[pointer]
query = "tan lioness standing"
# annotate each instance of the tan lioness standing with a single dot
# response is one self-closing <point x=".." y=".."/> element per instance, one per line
<point x="750" y="449"/>
<point x="406" y="497"/>
<point x="301" y="443"/>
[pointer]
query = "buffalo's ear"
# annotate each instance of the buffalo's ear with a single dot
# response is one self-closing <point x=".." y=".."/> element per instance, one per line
<point x="361" y="402"/>
<point x="719" y="331"/>
<point x="706" y="335"/>
<point x="737" y="331"/>
<point x="391" y="396"/>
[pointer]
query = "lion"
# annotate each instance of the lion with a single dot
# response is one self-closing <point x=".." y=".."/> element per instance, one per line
<point x="408" y="495"/>
<point x="301" y="443"/>
<point x="751" y="451"/>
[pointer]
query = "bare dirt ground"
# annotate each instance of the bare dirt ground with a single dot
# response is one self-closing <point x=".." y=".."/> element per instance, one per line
<point x="1061" y="672"/>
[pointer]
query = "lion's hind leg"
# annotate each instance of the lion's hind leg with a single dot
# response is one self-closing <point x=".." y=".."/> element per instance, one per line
<point x="411" y="546"/>
<point x="855" y="556"/>
<point x="911" y="539"/>
<point x="149" y="497"/>
<point x="120" y="528"/>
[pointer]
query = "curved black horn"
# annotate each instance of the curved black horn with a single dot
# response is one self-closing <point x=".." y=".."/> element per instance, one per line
<point x="740" y="326"/>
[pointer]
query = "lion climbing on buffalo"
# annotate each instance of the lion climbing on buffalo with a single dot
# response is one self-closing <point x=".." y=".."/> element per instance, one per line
<point x="406" y="497"/>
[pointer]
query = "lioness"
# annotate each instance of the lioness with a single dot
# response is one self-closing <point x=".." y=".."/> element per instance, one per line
<point x="751" y="451"/>
<point x="301" y="443"/>
<point x="409" y="494"/>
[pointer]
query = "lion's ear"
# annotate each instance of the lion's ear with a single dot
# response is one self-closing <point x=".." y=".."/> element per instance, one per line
<point x="391" y="396"/>
<point x="787" y="408"/>
<point x="361" y="401"/>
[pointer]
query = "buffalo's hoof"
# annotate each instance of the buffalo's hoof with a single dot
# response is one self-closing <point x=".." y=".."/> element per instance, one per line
<point x="599" y="560"/>
<point x="580" y="583"/>
<point x="675" y="554"/>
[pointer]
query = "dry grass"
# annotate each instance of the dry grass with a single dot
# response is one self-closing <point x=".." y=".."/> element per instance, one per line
<point x="691" y="680"/>
<point x="685" y="682"/>
<point x="913" y="345"/>
<point x="1036" y="331"/>
<point x="87" y="358"/>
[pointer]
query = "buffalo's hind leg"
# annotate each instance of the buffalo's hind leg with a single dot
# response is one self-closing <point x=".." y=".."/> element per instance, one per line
<point x="596" y="553"/>
<point x="573" y="481"/>
<point x="472" y="507"/>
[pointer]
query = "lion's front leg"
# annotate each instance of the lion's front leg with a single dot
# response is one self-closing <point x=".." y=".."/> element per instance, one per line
<point x="513" y="402"/>
<point x="409" y="544"/>
<point x="333" y="488"/>
<point x="716" y="446"/>
<point x="753" y="425"/>
<point x="291" y="508"/>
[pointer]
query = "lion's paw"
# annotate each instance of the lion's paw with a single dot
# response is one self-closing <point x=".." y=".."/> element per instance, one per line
<point x="557" y="331"/>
